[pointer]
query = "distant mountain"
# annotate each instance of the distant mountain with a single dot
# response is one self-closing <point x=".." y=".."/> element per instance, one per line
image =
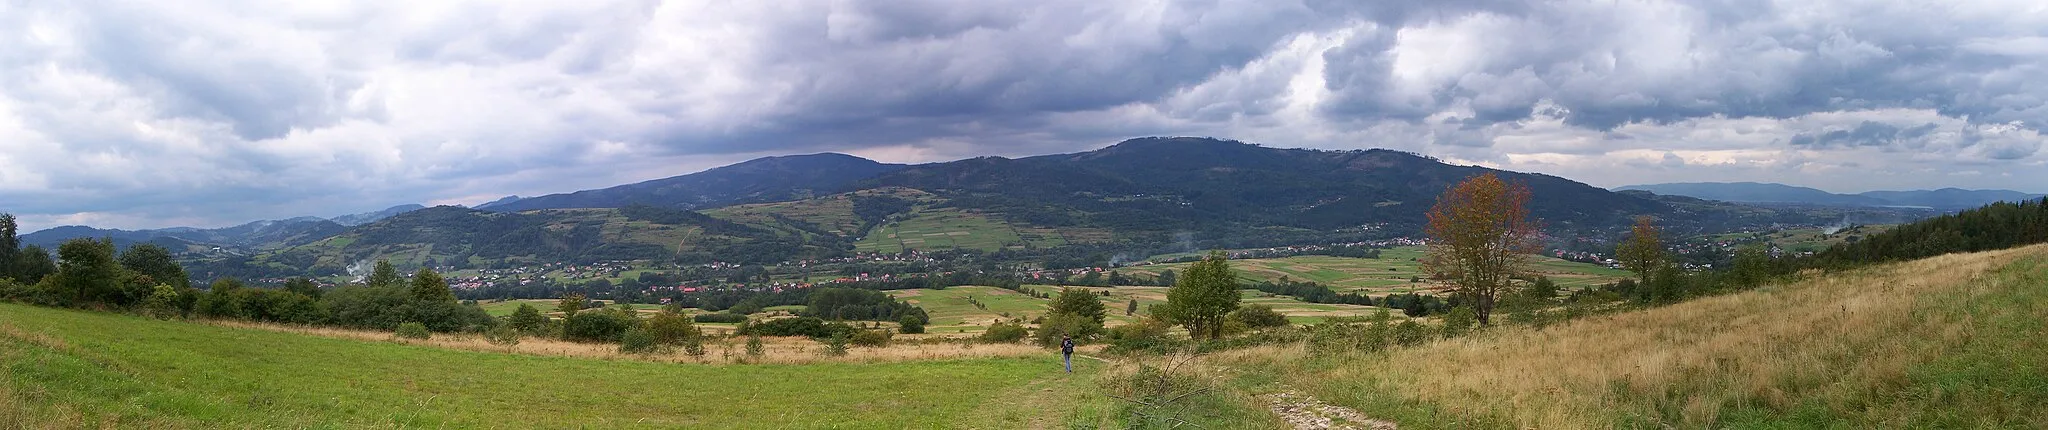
<point x="498" y="202"/>
<point x="370" y="217"/>
<point x="760" y="180"/>
<point x="1753" y="192"/>
<point x="255" y="235"/>
<point x="1948" y="199"/>
<point x="1951" y="198"/>
<point x="1168" y="184"/>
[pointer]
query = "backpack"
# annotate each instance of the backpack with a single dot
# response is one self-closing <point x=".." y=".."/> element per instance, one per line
<point x="1067" y="346"/>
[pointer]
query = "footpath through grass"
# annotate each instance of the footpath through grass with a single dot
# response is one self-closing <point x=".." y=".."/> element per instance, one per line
<point x="64" y="368"/>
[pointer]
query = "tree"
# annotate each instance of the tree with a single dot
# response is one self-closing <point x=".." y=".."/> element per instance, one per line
<point x="1202" y="297"/>
<point x="1480" y="238"/>
<point x="1131" y="307"/>
<point x="384" y="275"/>
<point x="428" y="286"/>
<point x="910" y="324"/>
<point x="155" y="262"/>
<point x="303" y="286"/>
<point x="527" y="319"/>
<point x="1643" y="252"/>
<point x="87" y="273"/>
<point x="569" y="304"/>
<point x="1080" y="302"/>
<point x="1166" y="278"/>
<point x="10" y="248"/>
<point x="33" y="264"/>
<point x="673" y="328"/>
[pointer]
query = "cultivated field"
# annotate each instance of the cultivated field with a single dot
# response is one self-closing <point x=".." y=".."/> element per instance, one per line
<point x="1947" y="342"/>
<point x="70" y="369"/>
<point x="940" y="229"/>
<point x="952" y="314"/>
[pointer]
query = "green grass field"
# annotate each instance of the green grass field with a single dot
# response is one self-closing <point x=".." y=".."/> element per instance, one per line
<point x="1391" y="273"/>
<point x="63" y="368"/>
<point x="940" y="229"/>
<point x="951" y="313"/>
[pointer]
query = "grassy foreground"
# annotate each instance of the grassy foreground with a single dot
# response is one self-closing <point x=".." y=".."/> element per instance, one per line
<point x="1948" y="342"/>
<point x="62" y="368"/>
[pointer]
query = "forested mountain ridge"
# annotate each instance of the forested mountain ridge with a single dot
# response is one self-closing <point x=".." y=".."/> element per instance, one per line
<point x="769" y="179"/>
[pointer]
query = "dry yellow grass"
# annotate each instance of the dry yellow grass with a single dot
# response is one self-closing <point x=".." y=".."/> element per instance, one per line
<point x="776" y="350"/>
<point x="1827" y="338"/>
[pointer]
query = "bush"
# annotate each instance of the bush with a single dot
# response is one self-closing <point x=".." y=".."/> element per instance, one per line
<point x="1149" y="335"/>
<point x="1081" y="327"/>
<point x="719" y="317"/>
<point x="802" y="326"/>
<point x="836" y="345"/>
<point x="502" y="335"/>
<point x="871" y="338"/>
<point x="911" y="324"/>
<point x="1002" y="332"/>
<point x="528" y="319"/>
<point x="754" y="347"/>
<point x="672" y="328"/>
<point x="694" y="347"/>
<point x="413" y="330"/>
<point x="598" y="326"/>
<point x="1257" y="316"/>
<point x="635" y="340"/>
<point x="1459" y="322"/>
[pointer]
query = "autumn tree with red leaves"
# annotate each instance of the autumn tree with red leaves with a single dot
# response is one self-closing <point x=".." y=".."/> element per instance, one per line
<point x="1480" y="237"/>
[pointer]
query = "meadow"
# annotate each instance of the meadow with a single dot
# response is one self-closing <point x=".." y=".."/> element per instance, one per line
<point x="75" y="369"/>
<point x="1946" y="342"/>
<point x="1396" y="271"/>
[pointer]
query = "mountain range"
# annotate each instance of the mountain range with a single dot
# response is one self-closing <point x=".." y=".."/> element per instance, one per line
<point x="1946" y="199"/>
<point x="1137" y="197"/>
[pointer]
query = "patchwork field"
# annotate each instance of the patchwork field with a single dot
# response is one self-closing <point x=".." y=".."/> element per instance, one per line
<point x="940" y="229"/>
<point x="1393" y="272"/>
<point x="76" y="369"/>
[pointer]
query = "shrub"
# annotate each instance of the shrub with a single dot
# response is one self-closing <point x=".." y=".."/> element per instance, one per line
<point x="412" y="330"/>
<point x="1081" y="327"/>
<point x="1459" y="322"/>
<point x="911" y="324"/>
<point x="802" y="326"/>
<point x="635" y="340"/>
<point x="754" y="347"/>
<point x="871" y="338"/>
<point x="836" y="345"/>
<point x="1002" y="332"/>
<point x="719" y="317"/>
<point x="1149" y="335"/>
<point x="597" y="326"/>
<point x="1257" y="316"/>
<point x="694" y="347"/>
<point x="672" y="328"/>
<point x="502" y="335"/>
<point x="528" y="319"/>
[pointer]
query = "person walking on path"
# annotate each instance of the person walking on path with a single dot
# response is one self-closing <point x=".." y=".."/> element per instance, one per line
<point x="1067" y="351"/>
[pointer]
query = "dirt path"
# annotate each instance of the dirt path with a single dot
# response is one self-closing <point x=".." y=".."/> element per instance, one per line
<point x="1305" y="412"/>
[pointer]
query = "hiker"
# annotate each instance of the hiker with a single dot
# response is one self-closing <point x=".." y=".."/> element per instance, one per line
<point x="1067" y="351"/>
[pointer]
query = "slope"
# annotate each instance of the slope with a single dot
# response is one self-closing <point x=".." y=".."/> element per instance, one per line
<point x="1944" y="342"/>
<point x="1754" y="192"/>
<point x="77" y="369"/>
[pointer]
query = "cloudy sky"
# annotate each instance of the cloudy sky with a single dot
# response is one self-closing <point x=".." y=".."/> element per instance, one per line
<point x="141" y="115"/>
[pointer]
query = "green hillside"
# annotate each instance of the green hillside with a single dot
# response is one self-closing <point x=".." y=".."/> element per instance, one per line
<point x="63" y="368"/>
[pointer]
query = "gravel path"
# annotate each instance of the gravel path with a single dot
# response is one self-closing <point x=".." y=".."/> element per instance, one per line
<point x="1305" y="412"/>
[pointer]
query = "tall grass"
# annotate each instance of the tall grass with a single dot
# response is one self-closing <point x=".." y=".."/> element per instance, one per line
<point x="1896" y="345"/>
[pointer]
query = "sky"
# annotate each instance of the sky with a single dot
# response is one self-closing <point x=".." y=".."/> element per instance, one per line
<point x="155" y="114"/>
